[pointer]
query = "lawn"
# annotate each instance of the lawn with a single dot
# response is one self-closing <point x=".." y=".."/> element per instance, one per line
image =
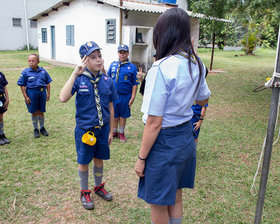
<point x="39" y="181"/>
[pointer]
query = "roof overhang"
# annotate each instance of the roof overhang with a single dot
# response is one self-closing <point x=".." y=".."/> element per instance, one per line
<point x="131" y="6"/>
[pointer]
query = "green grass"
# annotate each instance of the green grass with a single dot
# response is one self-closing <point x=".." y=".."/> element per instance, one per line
<point x="38" y="179"/>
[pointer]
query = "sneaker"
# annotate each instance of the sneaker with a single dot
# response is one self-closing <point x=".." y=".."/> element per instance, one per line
<point x="86" y="200"/>
<point x="44" y="131"/>
<point x="36" y="133"/>
<point x="100" y="190"/>
<point x="115" y="134"/>
<point x="122" y="137"/>
<point x="3" y="137"/>
<point x="2" y="141"/>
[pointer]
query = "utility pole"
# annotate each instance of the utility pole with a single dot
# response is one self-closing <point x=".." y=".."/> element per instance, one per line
<point x="269" y="138"/>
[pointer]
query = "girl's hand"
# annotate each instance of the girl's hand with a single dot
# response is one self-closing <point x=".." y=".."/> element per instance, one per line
<point x="80" y="68"/>
<point x="48" y="97"/>
<point x="139" y="167"/>
<point x="130" y="102"/>
<point x="6" y="104"/>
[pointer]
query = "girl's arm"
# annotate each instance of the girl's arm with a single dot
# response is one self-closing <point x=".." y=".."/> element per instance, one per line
<point x="150" y="133"/>
<point x="7" y="97"/>
<point x="202" y="102"/>
<point x="65" y="93"/>
<point x="26" y="98"/>
<point x="48" y="91"/>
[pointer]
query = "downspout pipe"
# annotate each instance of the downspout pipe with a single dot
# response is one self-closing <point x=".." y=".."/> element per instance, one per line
<point x="121" y="22"/>
<point x="26" y="24"/>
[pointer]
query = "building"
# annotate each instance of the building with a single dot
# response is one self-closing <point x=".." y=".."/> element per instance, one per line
<point x="16" y="30"/>
<point x="63" y="27"/>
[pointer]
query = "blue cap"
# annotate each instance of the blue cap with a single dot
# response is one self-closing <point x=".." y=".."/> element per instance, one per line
<point x="123" y="47"/>
<point x="88" y="48"/>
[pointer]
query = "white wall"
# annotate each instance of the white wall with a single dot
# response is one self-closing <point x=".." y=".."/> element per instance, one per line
<point x="88" y="17"/>
<point x="13" y="38"/>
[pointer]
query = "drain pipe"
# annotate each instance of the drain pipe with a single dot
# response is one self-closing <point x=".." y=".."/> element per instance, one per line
<point x="26" y="24"/>
<point x="121" y="22"/>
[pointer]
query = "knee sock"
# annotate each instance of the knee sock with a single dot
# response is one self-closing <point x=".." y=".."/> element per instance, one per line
<point x="121" y="129"/>
<point x="115" y="130"/>
<point x="35" y="121"/>
<point x="41" y="121"/>
<point x="176" y="220"/>
<point x="98" y="174"/>
<point x="83" y="175"/>
<point x="1" y="128"/>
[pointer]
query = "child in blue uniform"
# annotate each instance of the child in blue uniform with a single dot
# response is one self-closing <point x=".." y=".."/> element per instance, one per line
<point x="198" y="115"/>
<point x="33" y="82"/>
<point x="124" y="75"/>
<point x="95" y="93"/>
<point x="4" y="102"/>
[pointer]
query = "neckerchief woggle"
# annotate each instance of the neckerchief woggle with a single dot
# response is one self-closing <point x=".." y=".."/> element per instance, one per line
<point x="119" y="68"/>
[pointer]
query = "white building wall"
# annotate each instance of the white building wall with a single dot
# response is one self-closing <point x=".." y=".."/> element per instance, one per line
<point x="89" y="20"/>
<point x="13" y="38"/>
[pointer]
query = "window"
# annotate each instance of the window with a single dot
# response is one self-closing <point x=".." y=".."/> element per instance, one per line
<point x="33" y="23"/>
<point x="44" y="35"/>
<point x="111" y="31"/>
<point x="70" y="35"/>
<point x="16" y="21"/>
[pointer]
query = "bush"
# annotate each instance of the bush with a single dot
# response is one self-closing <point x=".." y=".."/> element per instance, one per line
<point x="24" y="48"/>
<point x="251" y="45"/>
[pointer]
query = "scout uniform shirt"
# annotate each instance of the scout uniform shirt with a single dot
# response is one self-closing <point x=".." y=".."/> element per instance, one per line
<point x="86" y="112"/>
<point x="34" y="78"/>
<point x="127" y="77"/>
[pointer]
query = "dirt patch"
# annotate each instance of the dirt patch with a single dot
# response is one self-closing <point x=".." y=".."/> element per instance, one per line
<point x="216" y="71"/>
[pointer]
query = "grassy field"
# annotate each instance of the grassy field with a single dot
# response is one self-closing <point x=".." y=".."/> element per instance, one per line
<point x="39" y="181"/>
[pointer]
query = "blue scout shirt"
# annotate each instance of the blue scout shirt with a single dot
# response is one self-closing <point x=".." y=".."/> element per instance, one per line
<point x="197" y="109"/>
<point x="34" y="78"/>
<point x="86" y="112"/>
<point x="127" y="76"/>
<point x="171" y="91"/>
<point x="3" y="82"/>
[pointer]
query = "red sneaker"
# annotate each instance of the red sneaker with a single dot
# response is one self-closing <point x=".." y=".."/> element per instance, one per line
<point x="86" y="200"/>
<point x="122" y="137"/>
<point x="100" y="190"/>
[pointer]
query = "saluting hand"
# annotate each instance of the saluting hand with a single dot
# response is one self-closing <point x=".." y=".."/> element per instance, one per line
<point x="139" y="74"/>
<point x="80" y="68"/>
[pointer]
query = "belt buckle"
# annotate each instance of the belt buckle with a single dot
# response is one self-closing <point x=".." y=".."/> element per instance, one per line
<point x="41" y="89"/>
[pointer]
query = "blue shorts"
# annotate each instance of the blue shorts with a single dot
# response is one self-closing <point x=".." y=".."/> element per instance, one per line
<point x="121" y="107"/>
<point x="38" y="97"/>
<point x="101" y="150"/>
<point x="195" y="119"/>
<point x="170" y="166"/>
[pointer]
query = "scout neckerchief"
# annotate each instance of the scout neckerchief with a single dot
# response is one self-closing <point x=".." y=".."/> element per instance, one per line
<point x="119" y="68"/>
<point x="97" y="98"/>
<point x="185" y="55"/>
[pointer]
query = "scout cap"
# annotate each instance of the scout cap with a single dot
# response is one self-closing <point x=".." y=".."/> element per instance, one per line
<point x="123" y="47"/>
<point x="88" y="48"/>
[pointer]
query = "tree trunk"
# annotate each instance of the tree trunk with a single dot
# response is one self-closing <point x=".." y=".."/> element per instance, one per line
<point x="213" y="47"/>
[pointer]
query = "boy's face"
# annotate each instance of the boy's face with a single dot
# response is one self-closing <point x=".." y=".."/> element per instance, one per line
<point x="123" y="55"/>
<point x="95" y="61"/>
<point x="33" y="61"/>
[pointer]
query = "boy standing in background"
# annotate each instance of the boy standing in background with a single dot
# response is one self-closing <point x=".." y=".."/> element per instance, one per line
<point x="124" y="75"/>
<point x="33" y="82"/>
<point x="4" y="102"/>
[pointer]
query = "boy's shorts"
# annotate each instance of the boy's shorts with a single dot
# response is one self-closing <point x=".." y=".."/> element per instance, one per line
<point x="38" y="97"/>
<point x="121" y="107"/>
<point x="3" y="100"/>
<point x="101" y="150"/>
<point x="170" y="166"/>
<point x="195" y="119"/>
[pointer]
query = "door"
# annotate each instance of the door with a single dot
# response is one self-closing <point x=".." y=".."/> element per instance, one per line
<point x="53" y="41"/>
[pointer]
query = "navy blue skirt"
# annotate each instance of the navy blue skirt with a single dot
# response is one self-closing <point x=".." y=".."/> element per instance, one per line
<point x="170" y="166"/>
